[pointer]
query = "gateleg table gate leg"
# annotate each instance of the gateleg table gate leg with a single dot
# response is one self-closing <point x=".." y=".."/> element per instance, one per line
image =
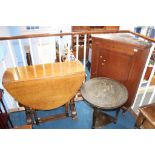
<point x="29" y="117"/>
<point x="36" y="118"/>
<point x="73" y="109"/>
<point x="66" y="109"/>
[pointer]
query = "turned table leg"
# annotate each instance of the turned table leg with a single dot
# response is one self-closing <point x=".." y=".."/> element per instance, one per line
<point x="66" y="110"/>
<point x="29" y="117"/>
<point x="36" y="118"/>
<point x="73" y="109"/>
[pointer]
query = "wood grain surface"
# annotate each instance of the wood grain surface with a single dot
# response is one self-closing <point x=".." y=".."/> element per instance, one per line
<point x="44" y="87"/>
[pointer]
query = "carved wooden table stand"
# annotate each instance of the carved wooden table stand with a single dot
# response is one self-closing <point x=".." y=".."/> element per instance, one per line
<point x="104" y="94"/>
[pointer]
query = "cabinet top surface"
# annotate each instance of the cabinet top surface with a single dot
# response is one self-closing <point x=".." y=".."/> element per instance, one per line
<point x="123" y="37"/>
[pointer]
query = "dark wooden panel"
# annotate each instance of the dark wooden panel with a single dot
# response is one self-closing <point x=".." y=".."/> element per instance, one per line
<point x="5" y="121"/>
<point x="114" y="65"/>
<point x="136" y="70"/>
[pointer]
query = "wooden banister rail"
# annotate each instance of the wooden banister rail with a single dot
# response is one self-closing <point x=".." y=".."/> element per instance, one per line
<point x="75" y="33"/>
<point x="142" y="36"/>
<point x="62" y="34"/>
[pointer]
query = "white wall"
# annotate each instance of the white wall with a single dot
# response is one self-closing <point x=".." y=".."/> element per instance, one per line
<point x="5" y="57"/>
<point x="4" y="31"/>
<point x="41" y="55"/>
<point x="44" y="29"/>
<point x="131" y="28"/>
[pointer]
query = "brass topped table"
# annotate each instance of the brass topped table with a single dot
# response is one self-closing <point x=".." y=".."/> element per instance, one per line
<point x="104" y="94"/>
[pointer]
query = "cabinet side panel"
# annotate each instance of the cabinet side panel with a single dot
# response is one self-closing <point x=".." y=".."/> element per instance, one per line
<point x="135" y="74"/>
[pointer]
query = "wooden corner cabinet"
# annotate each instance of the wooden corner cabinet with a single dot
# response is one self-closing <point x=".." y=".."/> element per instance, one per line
<point x="120" y="56"/>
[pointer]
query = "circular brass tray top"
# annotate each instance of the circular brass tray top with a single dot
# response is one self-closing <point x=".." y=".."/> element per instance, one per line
<point x="104" y="93"/>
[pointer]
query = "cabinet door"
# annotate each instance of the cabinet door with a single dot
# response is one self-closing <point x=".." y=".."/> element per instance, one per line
<point x="113" y="64"/>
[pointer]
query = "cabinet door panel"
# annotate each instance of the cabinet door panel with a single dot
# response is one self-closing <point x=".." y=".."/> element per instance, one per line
<point x="114" y="65"/>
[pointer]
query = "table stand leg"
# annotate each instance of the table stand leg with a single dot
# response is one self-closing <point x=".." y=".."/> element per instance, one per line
<point x="101" y="119"/>
<point x="116" y="115"/>
<point x="94" y="117"/>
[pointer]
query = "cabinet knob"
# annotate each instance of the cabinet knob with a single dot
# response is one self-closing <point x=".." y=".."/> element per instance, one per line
<point x="100" y="56"/>
<point x="104" y="60"/>
<point x="135" y="50"/>
<point x="102" y="64"/>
